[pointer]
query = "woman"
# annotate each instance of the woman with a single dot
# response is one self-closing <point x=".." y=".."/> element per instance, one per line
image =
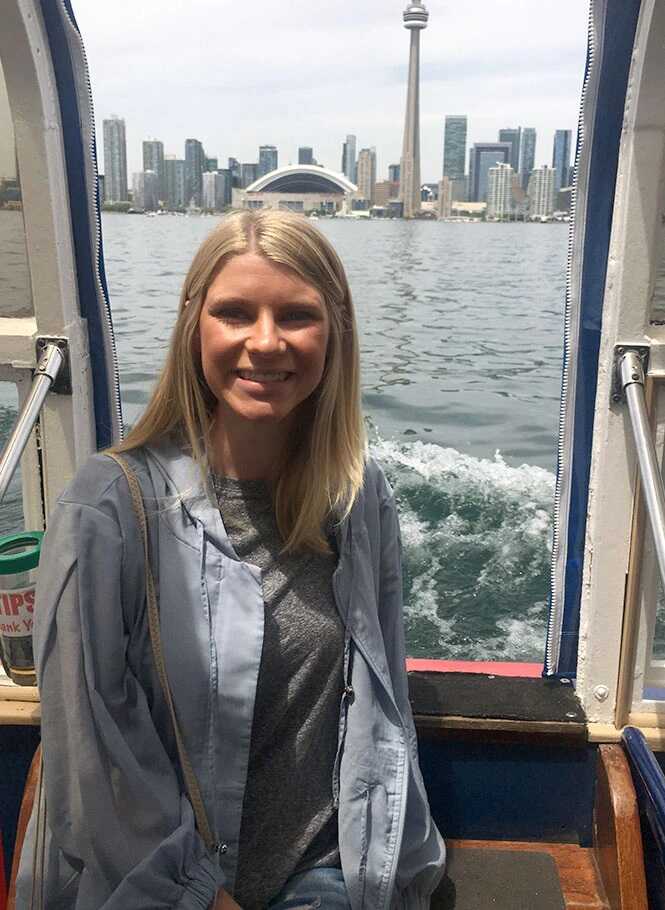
<point x="274" y="544"/>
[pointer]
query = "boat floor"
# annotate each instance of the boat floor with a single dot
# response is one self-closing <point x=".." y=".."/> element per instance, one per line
<point x="566" y="877"/>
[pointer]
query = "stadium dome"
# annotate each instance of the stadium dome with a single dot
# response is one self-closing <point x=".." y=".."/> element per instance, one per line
<point x="302" y="178"/>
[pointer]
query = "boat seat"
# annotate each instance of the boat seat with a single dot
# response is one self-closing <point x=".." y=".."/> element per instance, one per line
<point x="513" y="875"/>
<point x="486" y="879"/>
<point x="518" y="875"/>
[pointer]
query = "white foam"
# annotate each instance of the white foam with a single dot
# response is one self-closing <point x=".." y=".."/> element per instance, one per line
<point x="432" y="462"/>
<point x="478" y="543"/>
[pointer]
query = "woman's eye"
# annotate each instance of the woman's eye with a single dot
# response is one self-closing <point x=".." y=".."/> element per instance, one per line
<point x="298" y="316"/>
<point x="231" y="315"/>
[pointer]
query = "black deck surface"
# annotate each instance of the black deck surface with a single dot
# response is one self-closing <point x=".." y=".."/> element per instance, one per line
<point x="498" y="880"/>
<point x="484" y="696"/>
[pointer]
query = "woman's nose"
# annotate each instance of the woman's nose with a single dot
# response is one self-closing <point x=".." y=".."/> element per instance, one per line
<point x="265" y="337"/>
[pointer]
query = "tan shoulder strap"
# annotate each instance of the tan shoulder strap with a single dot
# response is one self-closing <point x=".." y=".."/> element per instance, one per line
<point x="191" y="782"/>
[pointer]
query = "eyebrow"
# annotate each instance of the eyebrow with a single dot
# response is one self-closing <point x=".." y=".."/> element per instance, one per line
<point x="243" y="301"/>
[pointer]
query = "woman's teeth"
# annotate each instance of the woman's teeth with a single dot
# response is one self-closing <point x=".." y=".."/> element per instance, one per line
<point x="255" y="376"/>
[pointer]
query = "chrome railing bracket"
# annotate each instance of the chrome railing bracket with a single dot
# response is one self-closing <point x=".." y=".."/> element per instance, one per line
<point x="61" y="381"/>
<point x="619" y="366"/>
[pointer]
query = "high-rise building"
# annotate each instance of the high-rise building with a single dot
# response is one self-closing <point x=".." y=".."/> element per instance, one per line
<point x="527" y="154"/>
<point x="415" y="18"/>
<point x="500" y="192"/>
<point x="541" y="192"/>
<point x="268" y="159"/>
<point x="145" y="191"/>
<point x="115" y="160"/>
<point x="561" y="158"/>
<point x="174" y="170"/>
<point x="367" y="174"/>
<point x="349" y="158"/>
<point x="249" y="172"/>
<point x="383" y="193"/>
<point x="393" y="173"/>
<point x="234" y="168"/>
<point x="153" y="160"/>
<point x="211" y="164"/>
<point x="514" y="136"/>
<point x="195" y="159"/>
<point x="228" y="184"/>
<point x="305" y="155"/>
<point x="215" y="190"/>
<point x="445" y="206"/>
<point x="454" y="146"/>
<point x="483" y="156"/>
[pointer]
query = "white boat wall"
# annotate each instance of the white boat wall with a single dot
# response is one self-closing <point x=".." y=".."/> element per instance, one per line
<point x="604" y="591"/>
<point x="46" y="82"/>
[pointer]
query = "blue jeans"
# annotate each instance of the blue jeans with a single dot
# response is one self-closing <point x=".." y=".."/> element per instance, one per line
<point x="322" y="888"/>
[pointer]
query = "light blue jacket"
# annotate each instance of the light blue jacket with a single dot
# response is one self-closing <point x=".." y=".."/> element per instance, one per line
<point x="121" y="834"/>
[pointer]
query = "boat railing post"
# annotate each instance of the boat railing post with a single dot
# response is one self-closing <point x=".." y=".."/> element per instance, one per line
<point x="48" y="367"/>
<point x="631" y="376"/>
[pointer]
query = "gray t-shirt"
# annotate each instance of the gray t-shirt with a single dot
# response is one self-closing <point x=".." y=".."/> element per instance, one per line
<point x="289" y="823"/>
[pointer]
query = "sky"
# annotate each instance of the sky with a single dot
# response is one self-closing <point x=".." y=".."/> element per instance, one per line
<point x="237" y="74"/>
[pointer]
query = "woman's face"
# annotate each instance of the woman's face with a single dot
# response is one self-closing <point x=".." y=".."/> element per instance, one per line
<point x="263" y="338"/>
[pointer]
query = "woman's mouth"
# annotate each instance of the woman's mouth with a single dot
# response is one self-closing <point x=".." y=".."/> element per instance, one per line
<point x="262" y="376"/>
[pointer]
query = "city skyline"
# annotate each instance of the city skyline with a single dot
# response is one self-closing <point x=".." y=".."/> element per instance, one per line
<point x="501" y="77"/>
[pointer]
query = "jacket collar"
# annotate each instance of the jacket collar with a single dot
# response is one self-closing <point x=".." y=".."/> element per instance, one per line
<point x="180" y="477"/>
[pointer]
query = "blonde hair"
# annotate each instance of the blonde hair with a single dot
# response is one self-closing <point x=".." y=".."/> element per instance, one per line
<point x="322" y="473"/>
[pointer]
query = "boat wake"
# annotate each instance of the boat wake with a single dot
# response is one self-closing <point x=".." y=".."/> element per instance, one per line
<point x="477" y="536"/>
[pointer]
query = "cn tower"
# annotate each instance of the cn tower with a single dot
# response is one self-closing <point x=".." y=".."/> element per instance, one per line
<point x="415" y="20"/>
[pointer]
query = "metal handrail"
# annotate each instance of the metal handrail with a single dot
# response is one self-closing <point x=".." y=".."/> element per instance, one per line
<point x="46" y="372"/>
<point x="631" y="374"/>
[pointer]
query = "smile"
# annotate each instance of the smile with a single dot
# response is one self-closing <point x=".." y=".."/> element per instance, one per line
<point x="258" y="376"/>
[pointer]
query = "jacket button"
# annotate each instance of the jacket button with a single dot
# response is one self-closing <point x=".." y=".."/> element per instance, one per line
<point x="349" y="693"/>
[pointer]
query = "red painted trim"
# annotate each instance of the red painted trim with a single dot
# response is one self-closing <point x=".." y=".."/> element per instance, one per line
<point x="496" y="668"/>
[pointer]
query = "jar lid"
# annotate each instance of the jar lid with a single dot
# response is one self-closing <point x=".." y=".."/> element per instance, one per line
<point x="20" y="552"/>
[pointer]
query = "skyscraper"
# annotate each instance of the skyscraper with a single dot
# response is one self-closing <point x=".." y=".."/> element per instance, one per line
<point x="349" y="158"/>
<point x="115" y="160"/>
<point x="268" y="159"/>
<point x="500" y="192"/>
<point x="367" y="174"/>
<point x="527" y="154"/>
<point x="454" y="146"/>
<point x="541" y="192"/>
<point x="145" y="190"/>
<point x="561" y="158"/>
<point x="234" y="168"/>
<point x="249" y="172"/>
<point x="215" y="190"/>
<point x="305" y="155"/>
<point x="195" y="159"/>
<point x="512" y="135"/>
<point x="415" y="18"/>
<point x="174" y="169"/>
<point x="485" y="155"/>
<point x="153" y="160"/>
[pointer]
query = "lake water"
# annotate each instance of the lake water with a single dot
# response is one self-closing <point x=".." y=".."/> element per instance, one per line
<point x="461" y="329"/>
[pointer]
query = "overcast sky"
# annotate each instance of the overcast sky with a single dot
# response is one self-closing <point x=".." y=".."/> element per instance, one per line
<point x="237" y="74"/>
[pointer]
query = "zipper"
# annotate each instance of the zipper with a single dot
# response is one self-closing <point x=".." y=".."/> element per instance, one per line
<point x="96" y="228"/>
<point x="570" y="339"/>
<point x="347" y="698"/>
